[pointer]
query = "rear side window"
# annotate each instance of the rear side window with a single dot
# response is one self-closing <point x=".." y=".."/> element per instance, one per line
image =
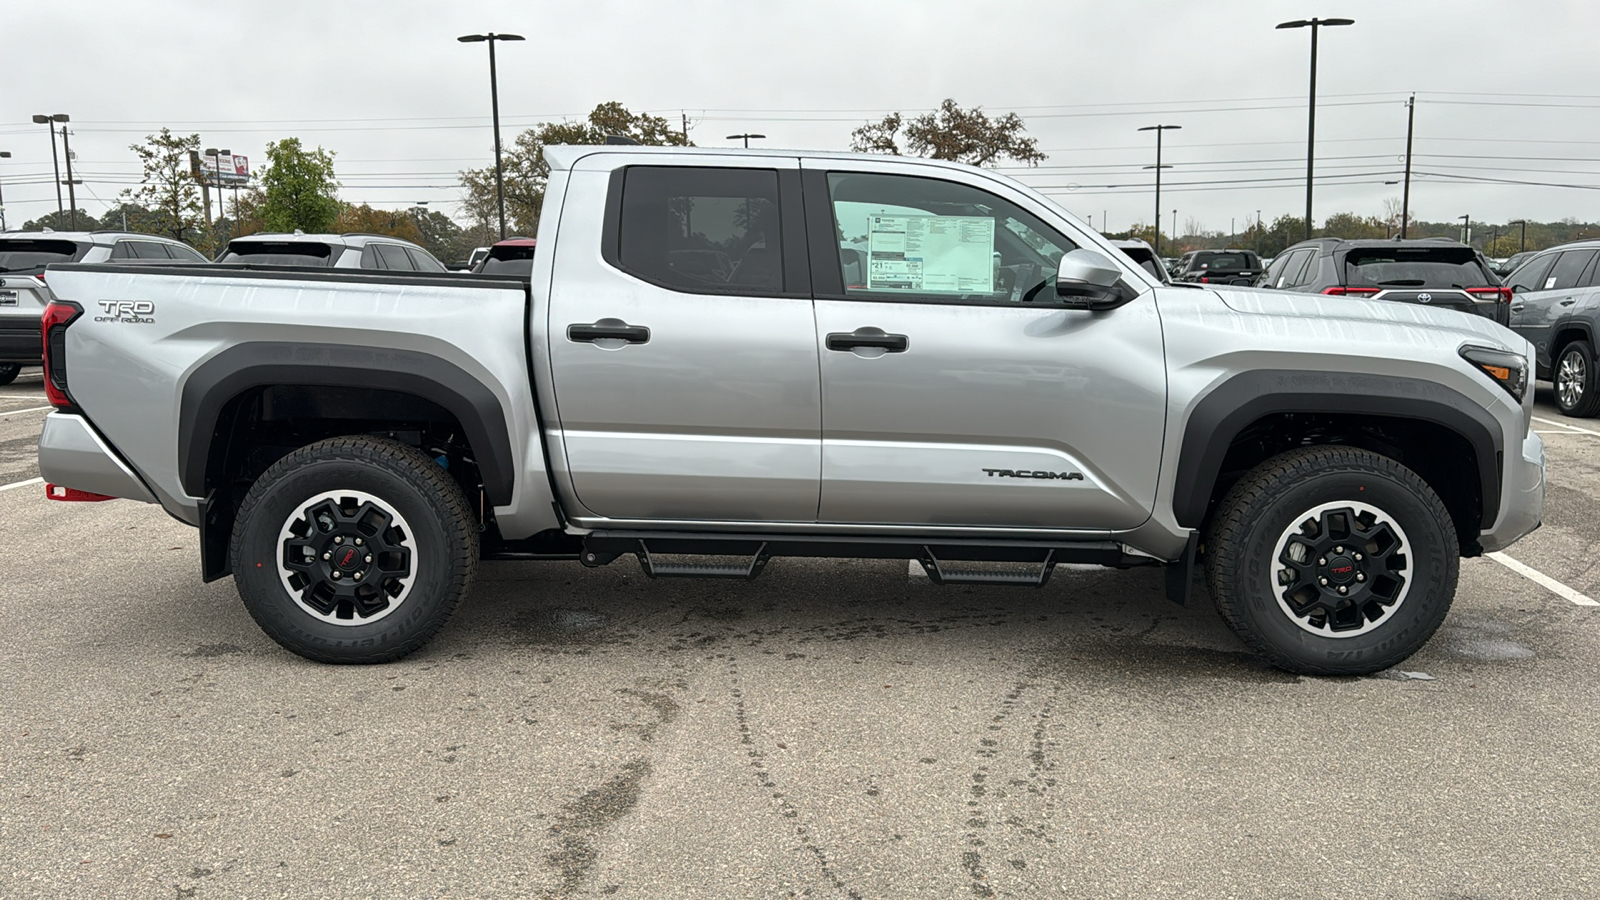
<point x="185" y="254"/>
<point x="1531" y="275"/>
<point x="702" y="230"/>
<point x="1569" y="269"/>
<point x="278" y="253"/>
<point x="22" y="255"/>
<point x="394" y="257"/>
<point x="422" y="261"/>
<point x="149" y="250"/>
<point x="1402" y="267"/>
<point x="1293" y="269"/>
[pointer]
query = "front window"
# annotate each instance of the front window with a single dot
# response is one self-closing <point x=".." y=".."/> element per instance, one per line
<point x="922" y="239"/>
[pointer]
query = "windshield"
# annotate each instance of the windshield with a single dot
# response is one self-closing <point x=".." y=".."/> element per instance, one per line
<point x="1434" y="267"/>
<point x="21" y="255"/>
<point x="278" y="253"/>
<point x="1224" y="261"/>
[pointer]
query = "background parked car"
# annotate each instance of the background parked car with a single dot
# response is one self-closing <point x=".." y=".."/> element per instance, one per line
<point x="1219" y="267"/>
<point x="1443" y="274"/>
<point x="23" y="290"/>
<point x="1145" y="255"/>
<point x="1515" y="261"/>
<point x="512" y="256"/>
<point x="1554" y="305"/>
<point x="330" y="251"/>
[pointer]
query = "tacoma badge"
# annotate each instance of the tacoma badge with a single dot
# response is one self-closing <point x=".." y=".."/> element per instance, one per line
<point x="1024" y="473"/>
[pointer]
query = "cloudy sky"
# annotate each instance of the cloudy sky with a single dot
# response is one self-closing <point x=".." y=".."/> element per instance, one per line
<point x="1504" y="128"/>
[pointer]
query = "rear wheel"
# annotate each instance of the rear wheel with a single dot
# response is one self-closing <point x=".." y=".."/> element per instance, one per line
<point x="353" y="550"/>
<point x="8" y="372"/>
<point x="1333" y="561"/>
<point x="1574" y="379"/>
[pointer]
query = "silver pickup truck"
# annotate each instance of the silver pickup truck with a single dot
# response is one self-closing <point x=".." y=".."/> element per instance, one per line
<point x="726" y="355"/>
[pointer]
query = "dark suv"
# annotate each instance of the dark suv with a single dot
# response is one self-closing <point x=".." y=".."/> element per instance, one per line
<point x="1219" y="267"/>
<point x="1443" y="274"/>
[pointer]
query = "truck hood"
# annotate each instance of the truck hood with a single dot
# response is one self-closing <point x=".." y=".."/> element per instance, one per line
<point x="1443" y="323"/>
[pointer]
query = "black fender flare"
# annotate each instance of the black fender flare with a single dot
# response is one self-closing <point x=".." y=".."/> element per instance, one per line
<point x="1230" y="407"/>
<point x="1571" y="322"/>
<point x="264" y="363"/>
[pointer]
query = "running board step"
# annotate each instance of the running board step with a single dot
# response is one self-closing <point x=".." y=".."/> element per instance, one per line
<point x="938" y="574"/>
<point x="656" y="569"/>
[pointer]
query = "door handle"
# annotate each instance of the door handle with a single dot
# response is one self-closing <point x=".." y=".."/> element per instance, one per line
<point x="1569" y="301"/>
<point x="1519" y="308"/>
<point x="870" y="338"/>
<point x="608" y="329"/>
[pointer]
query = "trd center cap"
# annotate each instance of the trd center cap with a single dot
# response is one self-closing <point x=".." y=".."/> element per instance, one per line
<point x="1341" y="570"/>
<point x="347" y="557"/>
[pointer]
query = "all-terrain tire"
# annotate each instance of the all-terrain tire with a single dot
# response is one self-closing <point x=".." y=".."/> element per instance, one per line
<point x="1262" y="580"/>
<point x="297" y="526"/>
<point x="1577" y="381"/>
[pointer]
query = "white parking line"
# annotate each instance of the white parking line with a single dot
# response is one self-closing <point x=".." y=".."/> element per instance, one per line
<point x="18" y="412"/>
<point x="1565" y="425"/>
<point x="1541" y="579"/>
<point x="19" y="484"/>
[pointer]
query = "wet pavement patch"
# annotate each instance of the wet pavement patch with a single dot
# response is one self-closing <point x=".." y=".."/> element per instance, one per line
<point x="1485" y="640"/>
<point x="574" y="831"/>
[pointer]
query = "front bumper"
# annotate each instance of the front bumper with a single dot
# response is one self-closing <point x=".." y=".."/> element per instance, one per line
<point x="72" y="455"/>
<point x="1522" y="498"/>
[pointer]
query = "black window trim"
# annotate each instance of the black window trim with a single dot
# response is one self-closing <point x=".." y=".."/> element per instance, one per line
<point x="827" y="278"/>
<point x="791" y="227"/>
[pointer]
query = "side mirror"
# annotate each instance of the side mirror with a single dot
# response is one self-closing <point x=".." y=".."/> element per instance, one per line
<point x="1087" y="280"/>
<point x="1517" y="288"/>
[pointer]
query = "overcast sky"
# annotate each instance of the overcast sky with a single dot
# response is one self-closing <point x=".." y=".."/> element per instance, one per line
<point x="404" y="106"/>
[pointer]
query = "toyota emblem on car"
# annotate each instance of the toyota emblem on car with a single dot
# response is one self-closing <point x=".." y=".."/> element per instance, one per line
<point x="1424" y="298"/>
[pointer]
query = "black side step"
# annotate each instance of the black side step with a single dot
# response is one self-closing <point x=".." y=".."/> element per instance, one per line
<point x="654" y="569"/>
<point x="939" y="574"/>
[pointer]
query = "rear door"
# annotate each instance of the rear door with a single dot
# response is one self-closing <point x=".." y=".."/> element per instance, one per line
<point x="682" y="344"/>
<point x="955" y="391"/>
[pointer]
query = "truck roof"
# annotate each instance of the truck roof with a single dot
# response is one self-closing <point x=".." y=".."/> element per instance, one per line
<point x="565" y="156"/>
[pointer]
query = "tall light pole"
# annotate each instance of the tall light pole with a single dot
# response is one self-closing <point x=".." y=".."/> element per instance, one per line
<point x="494" y="103"/>
<point x="50" y="122"/>
<point x="747" y="138"/>
<point x="1466" y="228"/>
<point x="4" y="154"/>
<point x="1158" y="167"/>
<point x="1405" y="196"/>
<point x="1311" y="119"/>
<point x="1524" y="245"/>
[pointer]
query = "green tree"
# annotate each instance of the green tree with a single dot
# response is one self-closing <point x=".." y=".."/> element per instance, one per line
<point x="366" y="220"/>
<point x="62" y="221"/>
<point x="953" y="133"/>
<point x="169" y="186"/>
<point x="127" y="216"/>
<point x="525" y="172"/>
<point x="298" y="189"/>
<point x="440" y="235"/>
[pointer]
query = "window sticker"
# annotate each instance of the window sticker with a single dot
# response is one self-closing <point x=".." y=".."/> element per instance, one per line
<point x="931" y="254"/>
<point x="1550" y="283"/>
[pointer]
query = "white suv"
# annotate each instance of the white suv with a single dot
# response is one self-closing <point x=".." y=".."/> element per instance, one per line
<point x="330" y="251"/>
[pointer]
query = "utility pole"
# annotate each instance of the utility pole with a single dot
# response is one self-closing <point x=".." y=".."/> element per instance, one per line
<point x="4" y="154"/>
<point x="1174" y="226"/>
<point x="1405" y="196"/>
<point x="1258" y="232"/>
<point x="72" y="196"/>
<point x="1158" y="167"/>
<point x="685" y="127"/>
<point x="1311" y="117"/>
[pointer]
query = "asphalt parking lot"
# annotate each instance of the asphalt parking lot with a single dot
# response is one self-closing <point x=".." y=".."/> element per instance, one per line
<point x="834" y="729"/>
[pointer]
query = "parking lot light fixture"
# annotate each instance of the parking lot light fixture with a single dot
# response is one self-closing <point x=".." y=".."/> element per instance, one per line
<point x="1158" y="167"/>
<point x="50" y="122"/>
<point x="747" y="138"/>
<point x="4" y="154"/>
<point x="1311" y="117"/>
<point x="1466" y="228"/>
<point x="1524" y="223"/>
<point x="494" y="105"/>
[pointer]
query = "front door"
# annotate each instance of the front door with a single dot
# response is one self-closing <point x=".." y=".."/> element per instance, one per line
<point x="955" y="390"/>
<point x="683" y="353"/>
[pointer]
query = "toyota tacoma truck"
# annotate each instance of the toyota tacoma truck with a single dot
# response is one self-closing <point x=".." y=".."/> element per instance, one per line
<point x="722" y="357"/>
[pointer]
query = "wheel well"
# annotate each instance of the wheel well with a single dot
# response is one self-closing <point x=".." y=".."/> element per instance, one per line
<point x="1442" y="457"/>
<point x="1562" y="338"/>
<point x="263" y="424"/>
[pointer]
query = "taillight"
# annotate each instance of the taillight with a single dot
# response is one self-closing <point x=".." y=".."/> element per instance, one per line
<point x="1499" y="294"/>
<point x="57" y="316"/>
<point x="1205" y="279"/>
<point x="1351" y="291"/>
<point x="73" y="495"/>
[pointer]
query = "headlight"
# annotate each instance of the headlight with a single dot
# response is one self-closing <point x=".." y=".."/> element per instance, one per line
<point x="1509" y="370"/>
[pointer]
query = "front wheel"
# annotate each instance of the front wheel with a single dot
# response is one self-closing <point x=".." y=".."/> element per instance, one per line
<point x="1574" y="379"/>
<point x="9" y="372"/>
<point x="353" y="550"/>
<point x="1333" y="561"/>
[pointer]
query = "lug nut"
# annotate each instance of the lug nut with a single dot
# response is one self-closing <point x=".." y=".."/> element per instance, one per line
<point x="357" y="576"/>
<point x="338" y="539"/>
<point x="1360" y="577"/>
<point x="358" y="542"/>
<point x="1343" y="589"/>
<point x="368" y="558"/>
<point x="335" y="576"/>
<point x="1322" y="581"/>
<point x="327" y="554"/>
<point x="1338" y="549"/>
<point x="1322" y="560"/>
<point x="1358" y="557"/>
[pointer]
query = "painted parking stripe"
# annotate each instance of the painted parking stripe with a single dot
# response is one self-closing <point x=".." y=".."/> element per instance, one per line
<point x="18" y="412"/>
<point x="1541" y="579"/>
<point x="21" y="484"/>
<point x="1565" y="425"/>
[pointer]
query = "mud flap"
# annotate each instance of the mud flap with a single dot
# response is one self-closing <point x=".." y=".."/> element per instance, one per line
<point x="1180" y="572"/>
